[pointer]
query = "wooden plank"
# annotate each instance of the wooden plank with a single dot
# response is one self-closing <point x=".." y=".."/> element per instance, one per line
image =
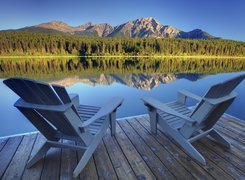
<point x="210" y="167"/>
<point x="119" y="161"/>
<point x="231" y="128"/>
<point x="3" y="141"/>
<point x="236" y="149"/>
<point x="241" y="122"/>
<point x="239" y="139"/>
<point x="137" y="163"/>
<point x="81" y="106"/>
<point x="62" y="93"/>
<point x="89" y="172"/>
<point x="224" y="153"/>
<point x="34" y="173"/>
<point x="195" y="169"/>
<point x="51" y="168"/>
<point x="232" y="123"/>
<point x="230" y="171"/>
<point x="167" y="159"/>
<point x="8" y="152"/>
<point x="157" y="167"/>
<point x="103" y="163"/>
<point x="236" y="128"/>
<point x="87" y="110"/>
<point x="18" y="163"/>
<point x="68" y="162"/>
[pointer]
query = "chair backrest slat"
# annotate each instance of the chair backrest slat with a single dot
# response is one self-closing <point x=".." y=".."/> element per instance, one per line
<point x="21" y="89"/>
<point x="217" y="112"/>
<point x="49" y="92"/>
<point x="62" y="93"/>
<point x="225" y="88"/>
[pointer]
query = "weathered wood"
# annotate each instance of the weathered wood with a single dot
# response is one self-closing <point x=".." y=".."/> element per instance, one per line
<point x="34" y="173"/>
<point x="232" y="126"/>
<point x="89" y="172"/>
<point x="3" y="141"/>
<point x="103" y="163"/>
<point x="68" y="162"/>
<point x="195" y="169"/>
<point x="210" y="167"/>
<point x="213" y="170"/>
<point x="229" y="169"/>
<point x="224" y="153"/>
<point x="157" y="167"/>
<point x="234" y="119"/>
<point x="166" y="158"/>
<point x="236" y="148"/>
<point x="126" y="156"/>
<point x="235" y="136"/>
<point x="238" y="123"/>
<point x="140" y="168"/>
<point x="18" y="163"/>
<point x="8" y="152"/>
<point x="119" y="161"/>
<point x="51" y="168"/>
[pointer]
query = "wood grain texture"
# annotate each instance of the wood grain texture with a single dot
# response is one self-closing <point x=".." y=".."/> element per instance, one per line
<point x="134" y="153"/>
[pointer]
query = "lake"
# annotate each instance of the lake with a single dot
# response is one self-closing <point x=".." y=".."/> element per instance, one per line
<point x="96" y="81"/>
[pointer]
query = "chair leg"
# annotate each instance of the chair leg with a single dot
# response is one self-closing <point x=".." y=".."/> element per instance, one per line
<point x="90" y="149"/>
<point x="86" y="156"/>
<point x="187" y="146"/>
<point x="83" y="161"/>
<point x="41" y="152"/>
<point x="217" y="136"/>
<point x="113" y="123"/>
<point x="153" y="119"/>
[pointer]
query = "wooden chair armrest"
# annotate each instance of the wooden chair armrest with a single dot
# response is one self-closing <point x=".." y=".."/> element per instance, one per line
<point x="153" y="103"/>
<point x="183" y="94"/>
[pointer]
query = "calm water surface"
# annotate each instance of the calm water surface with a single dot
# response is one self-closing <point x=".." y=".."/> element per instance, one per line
<point x="97" y="80"/>
<point x="97" y="89"/>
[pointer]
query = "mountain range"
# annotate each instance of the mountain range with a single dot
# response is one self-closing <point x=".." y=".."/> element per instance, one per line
<point x="142" y="27"/>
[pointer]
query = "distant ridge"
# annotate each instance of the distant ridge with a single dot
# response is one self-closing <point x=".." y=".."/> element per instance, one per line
<point x="142" y="27"/>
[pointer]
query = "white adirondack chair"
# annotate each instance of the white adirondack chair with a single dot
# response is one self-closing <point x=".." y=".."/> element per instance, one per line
<point x="186" y="126"/>
<point x="58" y="115"/>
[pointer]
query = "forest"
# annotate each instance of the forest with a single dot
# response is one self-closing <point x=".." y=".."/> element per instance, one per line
<point x="25" y="43"/>
<point x="62" y="67"/>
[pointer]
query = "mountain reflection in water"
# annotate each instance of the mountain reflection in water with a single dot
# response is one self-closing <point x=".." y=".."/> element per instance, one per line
<point x="139" y="81"/>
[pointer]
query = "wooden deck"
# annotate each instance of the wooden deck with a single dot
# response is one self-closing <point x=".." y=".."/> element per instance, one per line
<point x="134" y="153"/>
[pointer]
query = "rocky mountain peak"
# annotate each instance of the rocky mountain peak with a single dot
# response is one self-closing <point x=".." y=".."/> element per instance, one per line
<point x="86" y="25"/>
<point x="56" y="25"/>
<point x="150" y="20"/>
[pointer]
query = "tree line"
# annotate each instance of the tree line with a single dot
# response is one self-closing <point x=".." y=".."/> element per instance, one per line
<point x="62" y="67"/>
<point x="26" y="43"/>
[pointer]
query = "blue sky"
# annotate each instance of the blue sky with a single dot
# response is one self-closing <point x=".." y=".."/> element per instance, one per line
<point x="223" y="18"/>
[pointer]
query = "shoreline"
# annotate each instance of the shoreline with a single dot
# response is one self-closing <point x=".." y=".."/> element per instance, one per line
<point x="123" y="56"/>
